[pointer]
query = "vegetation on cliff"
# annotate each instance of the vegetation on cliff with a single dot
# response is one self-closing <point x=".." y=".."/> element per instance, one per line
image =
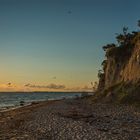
<point x="119" y="79"/>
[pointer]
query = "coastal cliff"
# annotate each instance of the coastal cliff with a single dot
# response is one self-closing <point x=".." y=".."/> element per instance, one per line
<point x="119" y="79"/>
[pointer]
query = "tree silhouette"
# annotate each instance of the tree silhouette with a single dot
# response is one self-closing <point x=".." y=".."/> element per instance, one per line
<point x="108" y="46"/>
<point x="125" y="29"/>
<point x="122" y="38"/>
<point x="139" y="23"/>
<point x="100" y="74"/>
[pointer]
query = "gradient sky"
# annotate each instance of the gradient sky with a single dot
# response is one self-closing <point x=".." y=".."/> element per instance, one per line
<point x="57" y="44"/>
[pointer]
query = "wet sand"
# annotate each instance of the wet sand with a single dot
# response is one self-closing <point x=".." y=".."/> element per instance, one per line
<point x="71" y="119"/>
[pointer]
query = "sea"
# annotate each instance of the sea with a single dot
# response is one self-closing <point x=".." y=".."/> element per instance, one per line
<point x="9" y="100"/>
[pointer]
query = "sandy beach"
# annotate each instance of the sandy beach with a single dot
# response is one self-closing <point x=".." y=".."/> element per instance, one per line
<point x="71" y="119"/>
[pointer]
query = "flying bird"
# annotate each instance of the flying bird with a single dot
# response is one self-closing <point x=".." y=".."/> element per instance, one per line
<point x="69" y="12"/>
<point x="9" y="84"/>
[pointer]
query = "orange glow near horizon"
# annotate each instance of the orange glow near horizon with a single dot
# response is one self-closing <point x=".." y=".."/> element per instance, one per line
<point x="26" y="81"/>
<point x="10" y="87"/>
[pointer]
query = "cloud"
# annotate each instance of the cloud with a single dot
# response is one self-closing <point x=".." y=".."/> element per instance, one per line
<point x="50" y="86"/>
<point x="27" y="85"/>
<point x="85" y="88"/>
<point x="8" y="87"/>
<point x="54" y="86"/>
<point x="35" y="86"/>
<point x="9" y="84"/>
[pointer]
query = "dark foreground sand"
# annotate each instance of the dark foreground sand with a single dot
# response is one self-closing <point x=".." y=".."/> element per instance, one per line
<point x="70" y="120"/>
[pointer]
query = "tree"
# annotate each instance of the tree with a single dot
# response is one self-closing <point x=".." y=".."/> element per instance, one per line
<point x="125" y="29"/>
<point x="94" y="86"/>
<point x="138" y="23"/>
<point x="122" y="38"/>
<point x="100" y="74"/>
<point x="104" y="65"/>
<point x="108" y="46"/>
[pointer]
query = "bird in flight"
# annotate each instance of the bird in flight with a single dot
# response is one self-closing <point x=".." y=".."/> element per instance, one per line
<point x="69" y="12"/>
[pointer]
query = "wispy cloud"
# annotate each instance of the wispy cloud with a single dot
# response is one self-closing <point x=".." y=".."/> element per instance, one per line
<point x="50" y="86"/>
<point x="54" y="86"/>
<point x="85" y="88"/>
<point x="9" y="86"/>
<point x="33" y="87"/>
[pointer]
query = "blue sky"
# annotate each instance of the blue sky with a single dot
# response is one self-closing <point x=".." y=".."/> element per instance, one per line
<point x="42" y="39"/>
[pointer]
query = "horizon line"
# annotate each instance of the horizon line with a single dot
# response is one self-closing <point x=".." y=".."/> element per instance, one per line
<point x="45" y="91"/>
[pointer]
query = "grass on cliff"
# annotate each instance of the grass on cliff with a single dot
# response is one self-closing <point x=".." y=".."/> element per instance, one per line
<point x="120" y="93"/>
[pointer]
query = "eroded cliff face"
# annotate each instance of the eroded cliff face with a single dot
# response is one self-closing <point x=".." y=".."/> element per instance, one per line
<point x="122" y="65"/>
<point x="119" y="80"/>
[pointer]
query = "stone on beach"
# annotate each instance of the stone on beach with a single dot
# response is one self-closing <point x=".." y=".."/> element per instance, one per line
<point x="72" y="119"/>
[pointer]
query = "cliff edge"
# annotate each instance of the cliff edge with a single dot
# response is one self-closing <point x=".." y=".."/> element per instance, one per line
<point x="119" y="79"/>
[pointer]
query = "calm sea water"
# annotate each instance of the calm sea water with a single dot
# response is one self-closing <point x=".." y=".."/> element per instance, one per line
<point x="8" y="100"/>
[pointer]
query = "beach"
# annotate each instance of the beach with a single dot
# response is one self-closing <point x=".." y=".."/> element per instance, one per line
<point x="70" y="119"/>
<point x="69" y="70"/>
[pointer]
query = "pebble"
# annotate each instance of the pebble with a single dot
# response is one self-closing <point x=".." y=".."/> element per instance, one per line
<point x="57" y="122"/>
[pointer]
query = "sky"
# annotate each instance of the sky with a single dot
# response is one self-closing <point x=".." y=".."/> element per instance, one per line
<point x="56" y="45"/>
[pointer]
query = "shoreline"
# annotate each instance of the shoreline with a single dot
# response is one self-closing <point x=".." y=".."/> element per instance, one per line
<point x="23" y="103"/>
<point x="27" y="104"/>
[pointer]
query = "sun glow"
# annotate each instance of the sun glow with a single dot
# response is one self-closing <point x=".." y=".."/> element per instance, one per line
<point x="10" y="87"/>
